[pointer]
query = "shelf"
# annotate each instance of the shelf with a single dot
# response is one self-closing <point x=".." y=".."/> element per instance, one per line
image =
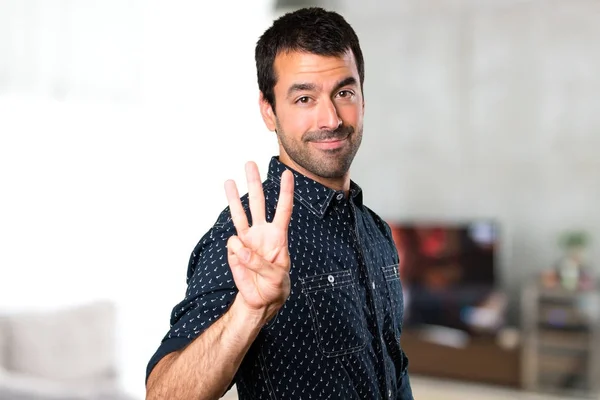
<point x="562" y="363"/>
<point x="573" y="329"/>
<point x="560" y="294"/>
<point x="568" y="341"/>
<point x="560" y="350"/>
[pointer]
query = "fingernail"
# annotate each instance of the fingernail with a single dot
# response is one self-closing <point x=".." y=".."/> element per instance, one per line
<point x="245" y="255"/>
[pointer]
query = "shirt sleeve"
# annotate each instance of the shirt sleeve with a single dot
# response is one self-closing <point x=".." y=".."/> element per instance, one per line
<point x="404" y="388"/>
<point x="210" y="291"/>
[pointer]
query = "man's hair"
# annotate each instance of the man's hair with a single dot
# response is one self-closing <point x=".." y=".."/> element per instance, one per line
<point x="312" y="30"/>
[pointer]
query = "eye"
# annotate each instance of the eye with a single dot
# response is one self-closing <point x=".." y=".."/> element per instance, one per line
<point x="303" y="100"/>
<point x="345" y="94"/>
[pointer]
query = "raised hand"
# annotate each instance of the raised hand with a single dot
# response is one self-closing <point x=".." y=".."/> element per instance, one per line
<point x="258" y="255"/>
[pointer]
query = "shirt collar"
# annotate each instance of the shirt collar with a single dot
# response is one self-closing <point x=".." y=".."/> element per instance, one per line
<point x="313" y="195"/>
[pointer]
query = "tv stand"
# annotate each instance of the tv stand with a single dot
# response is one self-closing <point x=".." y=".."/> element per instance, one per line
<point x="480" y="359"/>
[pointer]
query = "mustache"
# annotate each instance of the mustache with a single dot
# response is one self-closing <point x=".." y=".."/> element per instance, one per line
<point x="341" y="132"/>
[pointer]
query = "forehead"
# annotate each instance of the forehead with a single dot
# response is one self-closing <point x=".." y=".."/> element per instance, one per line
<point x="295" y="66"/>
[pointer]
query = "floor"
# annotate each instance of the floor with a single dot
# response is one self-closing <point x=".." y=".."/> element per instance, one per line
<point x="435" y="389"/>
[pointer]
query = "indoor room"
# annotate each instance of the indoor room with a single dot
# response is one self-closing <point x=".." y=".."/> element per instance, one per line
<point x="121" y="121"/>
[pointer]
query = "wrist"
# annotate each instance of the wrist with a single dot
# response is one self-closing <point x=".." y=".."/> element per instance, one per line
<point x="246" y="320"/>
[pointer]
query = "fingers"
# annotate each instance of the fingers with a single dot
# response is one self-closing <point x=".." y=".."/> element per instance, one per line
<point x="255" y="193"/>
<point x="285" y="203"/>
<point x="251" y="260"/>
<point x="238" y="215"/>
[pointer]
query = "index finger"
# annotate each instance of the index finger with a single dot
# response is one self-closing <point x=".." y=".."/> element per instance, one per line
<point x="283" y="213"/>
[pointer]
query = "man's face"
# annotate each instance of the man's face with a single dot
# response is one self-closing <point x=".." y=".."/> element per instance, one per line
<point x="319" y="113"/>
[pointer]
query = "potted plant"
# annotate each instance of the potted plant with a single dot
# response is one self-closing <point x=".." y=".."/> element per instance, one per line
<point x="571" y="267"/>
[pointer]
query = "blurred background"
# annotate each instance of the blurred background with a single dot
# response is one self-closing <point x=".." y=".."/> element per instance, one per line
<point x="482" y="122"/>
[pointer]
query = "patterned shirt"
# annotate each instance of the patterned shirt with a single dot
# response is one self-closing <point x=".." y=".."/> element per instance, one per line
<point x="338" y="334"/>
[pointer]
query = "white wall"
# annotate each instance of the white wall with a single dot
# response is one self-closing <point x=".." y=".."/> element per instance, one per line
<point x="485" y="109"/>
<point x="106" y="191"/>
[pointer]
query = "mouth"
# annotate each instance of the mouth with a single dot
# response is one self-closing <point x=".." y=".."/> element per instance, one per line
<point x="329" y="144"/>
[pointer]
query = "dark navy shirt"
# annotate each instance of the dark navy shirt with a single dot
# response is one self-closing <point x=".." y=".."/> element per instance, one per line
<point x="338" y="334"/>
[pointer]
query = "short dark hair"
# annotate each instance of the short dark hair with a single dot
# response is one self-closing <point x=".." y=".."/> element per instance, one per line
<point x="313" y="30"/>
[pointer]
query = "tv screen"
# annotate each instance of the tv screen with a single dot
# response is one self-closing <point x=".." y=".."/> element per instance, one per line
<point x="447" y="271"/>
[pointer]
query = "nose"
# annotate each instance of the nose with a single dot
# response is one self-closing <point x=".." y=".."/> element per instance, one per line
<point x="328" y="118"/>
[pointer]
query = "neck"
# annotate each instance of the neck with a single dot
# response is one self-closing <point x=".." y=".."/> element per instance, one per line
<point x="341" y="183"/>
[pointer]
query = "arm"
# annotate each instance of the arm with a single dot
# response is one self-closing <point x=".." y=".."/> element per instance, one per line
<point x="260" y="265"/>
<point x="405" y="390"/>
<point x="205" y="368"/>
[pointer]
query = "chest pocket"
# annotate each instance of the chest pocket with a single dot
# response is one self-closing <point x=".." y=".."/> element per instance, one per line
<point x="336" y="312"/>
<point x="392" y="279"/>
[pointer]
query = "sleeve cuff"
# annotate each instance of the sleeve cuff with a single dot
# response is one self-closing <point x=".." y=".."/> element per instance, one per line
<point x="167" y="346"/>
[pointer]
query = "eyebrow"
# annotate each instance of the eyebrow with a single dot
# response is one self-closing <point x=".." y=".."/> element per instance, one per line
<point x="301" y="87"/>
<point x="349" y="81"/>
<point x="309" y="87"/>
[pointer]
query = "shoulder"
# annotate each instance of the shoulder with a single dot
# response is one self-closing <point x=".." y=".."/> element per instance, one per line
<point x="215" y="239"/>
<point x="224" y="221"/>
<point x="381" y="224"/>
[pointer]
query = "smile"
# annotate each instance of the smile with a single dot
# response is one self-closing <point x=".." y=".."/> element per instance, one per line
<point x="330" y="144"/>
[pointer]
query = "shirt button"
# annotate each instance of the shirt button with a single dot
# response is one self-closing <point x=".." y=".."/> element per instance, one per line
<point x="389" y="394"/>
<point x="340" y="196"/>
<point x="373" y="285"/>
<point x="330" y="278"/>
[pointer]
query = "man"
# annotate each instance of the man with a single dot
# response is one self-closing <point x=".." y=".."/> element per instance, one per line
<point x="294" y="293"/>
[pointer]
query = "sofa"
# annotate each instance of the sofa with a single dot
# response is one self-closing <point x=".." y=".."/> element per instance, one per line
<point x="66" y="354"/>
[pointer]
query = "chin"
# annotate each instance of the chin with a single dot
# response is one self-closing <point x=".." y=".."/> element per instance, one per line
<point x="333" y="171"/>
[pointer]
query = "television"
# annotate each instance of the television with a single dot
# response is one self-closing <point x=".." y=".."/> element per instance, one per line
<point x="448" y="274"/>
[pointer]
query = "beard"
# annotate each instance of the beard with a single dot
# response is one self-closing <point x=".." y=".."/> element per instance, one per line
<point x="330" y="164"/>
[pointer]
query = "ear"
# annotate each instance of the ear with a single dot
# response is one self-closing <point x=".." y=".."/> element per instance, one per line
<point x="268" y="115"/>
<point x="362" y="95"/>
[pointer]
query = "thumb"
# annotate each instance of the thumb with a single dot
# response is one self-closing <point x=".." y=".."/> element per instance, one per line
<point x="237" y="248"/>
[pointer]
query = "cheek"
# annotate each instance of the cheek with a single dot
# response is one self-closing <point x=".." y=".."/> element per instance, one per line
<point x="295" y="122"/>
<point x="351" y="114"/>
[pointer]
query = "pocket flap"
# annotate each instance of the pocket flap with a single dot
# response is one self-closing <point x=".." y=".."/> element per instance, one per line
<point x="391" y="272"/>
<point x="329" y="280"/>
